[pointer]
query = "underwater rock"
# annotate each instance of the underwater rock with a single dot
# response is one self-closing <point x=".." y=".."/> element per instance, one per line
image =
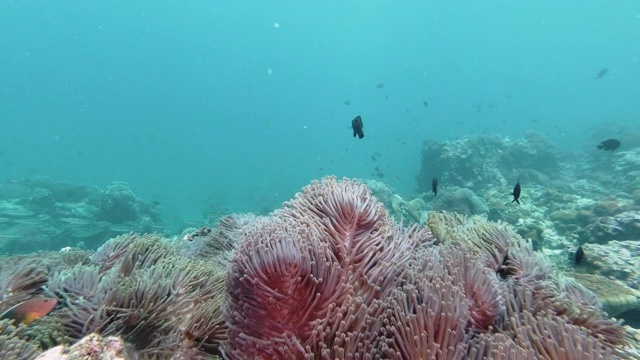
<point x="615" y="297"/>
<point x="623" y="226"/>
<point x="616" y="260"/>
<point x="619" y="170"/>
<point x="381" y="190"/>
<point x="564" y="216"/>
<point x="91" y="347"/>
<point x="636" y="197"/>
<point x="415" y="209"/>
<point x="478" y="161"/>
<point x="459" y="200"/>
<point x="606" y="207"/>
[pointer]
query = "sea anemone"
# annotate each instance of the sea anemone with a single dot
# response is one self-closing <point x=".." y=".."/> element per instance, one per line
<point x="332" y="276"/>
<point x="300" y="276"/>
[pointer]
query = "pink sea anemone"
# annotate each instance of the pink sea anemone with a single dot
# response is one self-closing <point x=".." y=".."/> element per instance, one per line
<point x="332" y="276"/>
<point x="302" y="278"/>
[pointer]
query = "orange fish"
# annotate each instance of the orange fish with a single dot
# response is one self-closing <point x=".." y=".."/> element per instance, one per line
<point x="28" y="311"/>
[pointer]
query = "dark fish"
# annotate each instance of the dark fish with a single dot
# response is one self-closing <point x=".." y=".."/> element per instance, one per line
<point x="373" y="157"/>
<point x="380" y="85"/>
<point x="347" y="102"/>
<point x="579" y="255"/>
<point x="386" y="97"/>
<point x="425" y="103"/>
<point x="434" y="186"/>
<point x="516" y="193"/>
<point x="503" y="270"/>
<point x="380" y="175"/>
<point x="609" y="145"/>
<point x="356" y="125"/>
<point x="602" y="73"/>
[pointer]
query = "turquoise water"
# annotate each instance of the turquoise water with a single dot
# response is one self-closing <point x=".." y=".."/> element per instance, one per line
<point x="240" y="104"/>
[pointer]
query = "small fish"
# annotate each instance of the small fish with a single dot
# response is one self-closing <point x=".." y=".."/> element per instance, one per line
<point x="28" y="311"/>
<point x="609" y="145"/>
<point x="356" y="125"/>
<point x="516" y="193"/>
<point x="380" y="175"/>
<point x="347" y="102"/>
<point x="425" y="103"/>
<point x="602" y="73"/>
<point x="373" y="157"/>
<point x="386" y="97"/>
<point x="380" y="85"/>
<point x="503" y="270"/>
<point x="579" y="255"/>
<point x="434" y="186"/>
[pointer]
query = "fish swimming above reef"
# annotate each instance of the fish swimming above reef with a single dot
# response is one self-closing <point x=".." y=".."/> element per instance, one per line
<point x="28" y="311"/>
<point x="380" y="85"/>
<point x="434" y="186"/>
<point x="357" y="126"/>
<point x="609" y="145"/>
<point x="516" y="193"/>
<point x="602" y="73"/>
<point x="579" y="255"/>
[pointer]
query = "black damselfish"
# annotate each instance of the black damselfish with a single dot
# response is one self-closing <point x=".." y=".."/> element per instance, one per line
<point x="609" y="145"/>
<point x="516" y="193"/>
<point x="579" y="255"/>
<point x="434" y="186"/>
<point x="357" y="126"/>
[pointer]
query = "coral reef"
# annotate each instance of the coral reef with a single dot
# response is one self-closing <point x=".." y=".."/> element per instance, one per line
<point x="615" y="297"/>
<point x="143" y="289"/>
<point x="405" y="211"/>
<point x="42" y="214"/>
<point x="459" y="200"/>
<point x="622" y="226"/>
<point x="332" y="276"/>
<point x="616" y="259"/>
<point x="475" y="162"/>
<point x="619" y="170"/>
<point x="381" y="190"/>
